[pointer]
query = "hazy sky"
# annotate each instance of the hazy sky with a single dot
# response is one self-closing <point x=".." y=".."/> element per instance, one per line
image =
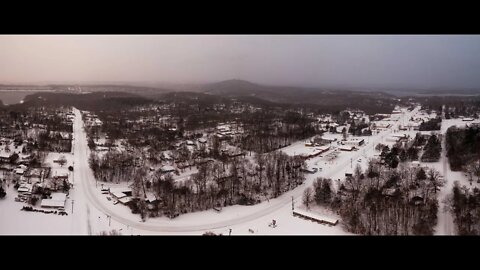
<point x="390" y="61"/>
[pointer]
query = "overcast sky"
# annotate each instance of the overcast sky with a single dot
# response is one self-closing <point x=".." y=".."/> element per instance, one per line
<point x="363" y="61"/>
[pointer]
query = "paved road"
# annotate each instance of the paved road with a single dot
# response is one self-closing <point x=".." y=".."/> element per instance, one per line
<point x="445" y="224"/>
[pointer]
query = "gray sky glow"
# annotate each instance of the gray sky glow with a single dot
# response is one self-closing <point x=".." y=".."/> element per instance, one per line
<point x="363" y="61"/>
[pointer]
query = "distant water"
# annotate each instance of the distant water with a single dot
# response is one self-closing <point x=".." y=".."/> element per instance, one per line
<point x="9" y="97"/>
<point x="447" y="95"/>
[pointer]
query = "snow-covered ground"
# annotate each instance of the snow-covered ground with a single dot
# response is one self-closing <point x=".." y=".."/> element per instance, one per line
<point x="14" y="221"/>
<point x="445" y="224"/>
<point x="94" y="213"/>
<point x="238" y="218"/>
<point x="58" y="169"/>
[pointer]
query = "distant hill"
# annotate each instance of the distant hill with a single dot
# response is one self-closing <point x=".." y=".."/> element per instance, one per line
<point x="368" y="101"/>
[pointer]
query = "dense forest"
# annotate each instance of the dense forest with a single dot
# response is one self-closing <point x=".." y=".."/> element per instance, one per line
<point x="96" y="101"/>
<point x="216" y="184"/>
<point x="463" y="147"/>
<point x="455" y="106"/>
<point x="432" y="150"/>
<point x="267" y="132"/>
<point x="465" y="207"/>
<point x="430" y="125"/>
<point x="384" y="201"/>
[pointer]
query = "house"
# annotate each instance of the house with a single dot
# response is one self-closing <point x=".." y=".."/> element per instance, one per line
<point x="63" y="176"/>
<point x="167" y="169"/>
<point x="19" y="171"/>
<point x="25" y="188"/>
<point x="316" y="152"/>
<point x="381" y="124"/>
<point x="354" y="142"/>
<point x="339" y="129"/>
<point x="203" y="161"/>
<point x="150" y="198"/>
<point x="190" y="142"/>
<point x="4" y="157"/>
<point x="315" y="217"/>
<point x="118" y="195"/>
<point x="415" y="163"/>
<point x="467" y="119"/>
<point x="166" y="156"/>
<point x="393" y="139"/>
<point x="310" y="170"/>
<point x="389" y="191"/>
<point x="57" y="201"/>
<point x="202" y="140"/>
<point x="416" y="200"/>
<point x="346" y="147"/>
<point x="124" y="200"/>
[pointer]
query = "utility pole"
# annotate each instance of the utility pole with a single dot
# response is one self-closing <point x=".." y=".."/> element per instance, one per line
<point x="72" y="206"/>
<point x="292" y="204"/>
<point x="109" y="220"/>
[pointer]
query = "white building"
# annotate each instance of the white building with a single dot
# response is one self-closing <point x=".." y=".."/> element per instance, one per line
<point x="57" y="201"/>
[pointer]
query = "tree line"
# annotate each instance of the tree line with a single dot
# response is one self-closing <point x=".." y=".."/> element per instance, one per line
<point x="384" y="200"/>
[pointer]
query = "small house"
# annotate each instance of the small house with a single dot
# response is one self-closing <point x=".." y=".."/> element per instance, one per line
<point x="167" y="169"/>
<point x="57" y="201"/>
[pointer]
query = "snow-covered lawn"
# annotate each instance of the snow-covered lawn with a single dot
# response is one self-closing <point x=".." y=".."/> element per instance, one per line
<point x="15" y="221"/>
<point x="57" y="169"/>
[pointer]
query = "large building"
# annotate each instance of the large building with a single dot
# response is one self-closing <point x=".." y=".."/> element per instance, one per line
<point x="354" y="142"/>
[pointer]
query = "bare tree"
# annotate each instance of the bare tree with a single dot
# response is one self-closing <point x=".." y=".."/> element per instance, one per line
<point x="436" y="180"/>
<point x="473" y="169"/>
<point x="307" y="197"/>
<point x="470" y="169"/>
<point x="62" y="160"/>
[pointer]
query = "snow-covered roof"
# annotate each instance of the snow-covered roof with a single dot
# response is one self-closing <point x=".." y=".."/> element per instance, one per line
<point x="150" y="198"/>
<point x="119" y="195"/>
<point x="58" y="196"/>
<point x="25" y="188"/>
<point x="52" y="203"/>
<point x="19" y="171"/>
<point x="58" y="200"/>
<point x="124" y="200"/>
<point x="316" y="216"/>
<point x="167" y="168"/>
<point x="323" y="148"/>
